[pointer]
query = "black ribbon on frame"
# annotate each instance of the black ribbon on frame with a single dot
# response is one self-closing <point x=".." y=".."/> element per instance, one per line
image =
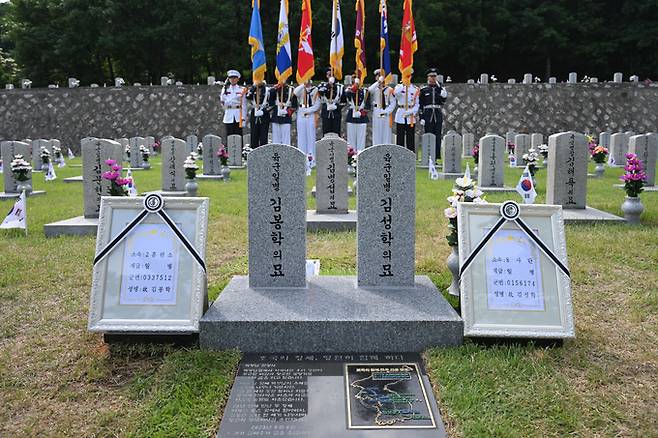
<point x="153" y="204"/>
<point x="510" y="211"/>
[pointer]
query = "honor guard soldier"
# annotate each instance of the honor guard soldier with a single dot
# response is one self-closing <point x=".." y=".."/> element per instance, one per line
<point x="281" y="102"/>
<point x="234" y="100"/>
<point x="357" y="114"/>
<point x="331" y="93"/>
<point x="307" y="102"/>
<point x="432" y="98"/>
<point x="406" y="97"/>
<point x="259" y="116"/>
<point x="383" y="104"/>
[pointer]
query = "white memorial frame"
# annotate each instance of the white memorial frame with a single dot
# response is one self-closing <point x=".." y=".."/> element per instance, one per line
<point x="556" y="320"/>
<point x="115" y="213"/>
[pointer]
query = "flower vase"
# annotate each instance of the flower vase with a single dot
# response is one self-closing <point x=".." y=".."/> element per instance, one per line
<point x="146" y="165"/>
<point x="24" y="186"/>
<point x="632" y="208"/>
<point x="191" y="186"/>
<point x="225" y="172"/>
<point x="599" y="169"/>
<point x="453" y="267"/>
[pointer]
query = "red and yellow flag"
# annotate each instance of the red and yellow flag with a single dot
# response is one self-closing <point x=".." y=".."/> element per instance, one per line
<point x="305" y="60"/>
<point x="359" y="40"/>
<point x="408" y="44"/>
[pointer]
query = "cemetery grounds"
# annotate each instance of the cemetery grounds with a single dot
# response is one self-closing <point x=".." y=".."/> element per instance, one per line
<point x="56" y="379"/>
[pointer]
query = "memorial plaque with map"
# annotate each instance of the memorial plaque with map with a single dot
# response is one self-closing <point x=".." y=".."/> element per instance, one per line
<point x="331" y="396"/>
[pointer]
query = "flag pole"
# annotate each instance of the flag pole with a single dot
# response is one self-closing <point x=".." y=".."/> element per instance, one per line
<point x="25" y="198"/>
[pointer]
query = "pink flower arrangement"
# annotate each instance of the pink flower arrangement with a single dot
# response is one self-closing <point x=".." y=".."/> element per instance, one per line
<point x="634" y="177"/>
<point x="222" y="153"/>
<point x="475" y="153"/>
<point x="351" y="153"/>
<point x="117" y="186"/>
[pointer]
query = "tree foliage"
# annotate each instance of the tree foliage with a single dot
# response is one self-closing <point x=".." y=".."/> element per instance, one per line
<point x="142" y="40"/>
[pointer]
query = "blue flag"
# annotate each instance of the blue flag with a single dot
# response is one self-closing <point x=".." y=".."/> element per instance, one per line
<point x="258" y="65"/>
<point x="283" y="58"/>
<point x="384" y="45"/>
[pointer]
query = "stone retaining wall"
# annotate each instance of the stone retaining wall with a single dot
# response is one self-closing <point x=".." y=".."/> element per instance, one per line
<point x="71" y="114"/>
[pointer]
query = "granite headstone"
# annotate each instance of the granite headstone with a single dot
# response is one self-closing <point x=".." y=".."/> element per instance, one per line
<point x="135" y="154"/>
<point x="9" y="149"/>
<point x="36" y="152"/>
<point x="468" y="142"/>
<point x="535" y="140"/>
<point x="211" y="163"/>
<point x="174" y="152"/>
<point x="429" y="149"/>
<point x="192" y="141"/>
<point x="277" y="217"/>
<point x="234" y="149"/>
<point x="521" y="146"/>
<point x="566" y="181"/>
<point x="491" y="162"/>
<point x="331" y="178"/>
<point x="646" y="148"/>
<point x="451" y="148"/>
<point x="617" y="150"/>
<point x="386" y="207"/>
<point x="94" y="154"/>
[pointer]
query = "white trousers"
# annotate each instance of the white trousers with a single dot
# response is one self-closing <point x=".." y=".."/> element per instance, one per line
<point x="281" y="133"/>
<point x="356" y="135"/>
<point x="306" y="134"/>
<point x="381" y="130"/>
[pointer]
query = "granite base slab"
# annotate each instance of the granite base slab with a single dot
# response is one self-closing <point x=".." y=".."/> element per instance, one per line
<point x="330" y="222"/>
<point x="644" y="189"/>
<point x="73" y="179"/>
<point x="350" y="192"/>
<point x="588" y="214"/>
<point x="76" y="226"/>
<point x="210" y="177"/>
<point x="450" y="175"/>
<point x="7" y="196"/>
<point x="497" y="189"/>
<point x="167" y="193"/>
<point x="330" y="315"/>
<point x="238" y="167"/>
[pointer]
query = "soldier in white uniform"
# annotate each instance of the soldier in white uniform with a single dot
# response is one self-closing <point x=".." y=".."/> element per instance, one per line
<point x="234" y="100"/>
<point x="406" y="114"/>
<point x="383" y="103"/>
<point x="308" y="104"/>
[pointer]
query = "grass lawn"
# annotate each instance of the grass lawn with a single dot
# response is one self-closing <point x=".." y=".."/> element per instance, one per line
<point x="56" y="379"/>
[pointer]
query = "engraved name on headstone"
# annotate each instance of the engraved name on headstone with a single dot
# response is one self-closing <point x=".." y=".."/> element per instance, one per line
<point x="174" y="152"/>
<point x="9" y="149"/>
<point x="429" y="148"/>
<point x="646" y="148"/>
<point x="331" y="178"/>
<point x="277" y="216"/>
<point x="522" y="145"/>
<point x="234" y="149"/>
<point x="192" y="141"/>
<point x="617" y="149"/>
<point x="451" y="153"/>
<point x="94" y="154"/>
<point x="135" y="154"/>
<point x="491" y="171"/>
<point x="566" y="181"/>
<point x="468" y="141"/>
<point x="211" y="163"/>
<point x="386" y="208"/>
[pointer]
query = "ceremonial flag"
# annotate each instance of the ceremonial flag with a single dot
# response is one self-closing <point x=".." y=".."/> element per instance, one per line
<point x="337" y="48"/>
<point x="432" y="169"/>
<point x="526" y="188"/>
<point x="305" y="60"/>
<point x="283" y="68"/>
<point x="384" y="45"/>
<point x="50" y="174"/>
<point x="258" y="66"/>
<point x="359" y="41"/>
<point x="132" y="189"/>
<point x="71" y="155"/>
<point x="17" y="217"/>
<point x="408" y="43"/>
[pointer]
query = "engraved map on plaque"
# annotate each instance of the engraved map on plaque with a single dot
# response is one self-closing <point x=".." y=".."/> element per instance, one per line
<point x="386" y="395"/>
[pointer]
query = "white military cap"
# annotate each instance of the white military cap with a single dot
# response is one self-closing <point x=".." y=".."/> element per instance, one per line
<point x="233" y="73"/>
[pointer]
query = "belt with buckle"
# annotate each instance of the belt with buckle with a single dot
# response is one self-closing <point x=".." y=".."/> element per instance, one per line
<point x="432" y="107"/>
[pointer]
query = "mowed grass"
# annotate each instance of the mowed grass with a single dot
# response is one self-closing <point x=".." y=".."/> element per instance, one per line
<point x="56" y="379"/>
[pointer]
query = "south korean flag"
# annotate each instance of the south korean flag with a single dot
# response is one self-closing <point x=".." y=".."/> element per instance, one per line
<point x="526" y="188"/>
<point x="17" y="217"/>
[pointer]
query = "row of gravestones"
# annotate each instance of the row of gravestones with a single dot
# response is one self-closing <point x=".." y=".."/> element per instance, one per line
<point x="34" y="151"/>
